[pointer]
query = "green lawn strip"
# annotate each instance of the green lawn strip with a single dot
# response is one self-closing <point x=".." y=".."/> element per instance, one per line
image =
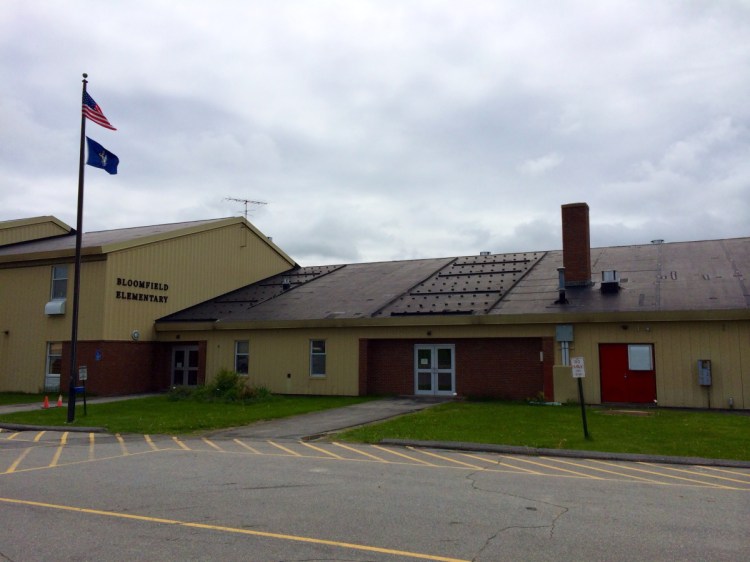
<point x="658" y="432"/>
<point x="158" y="414"/>
<point x="8" y="398"/>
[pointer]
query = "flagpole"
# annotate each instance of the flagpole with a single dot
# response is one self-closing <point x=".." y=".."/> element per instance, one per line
<point x="77" y="274"/>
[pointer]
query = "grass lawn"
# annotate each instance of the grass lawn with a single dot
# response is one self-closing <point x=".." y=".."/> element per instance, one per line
<point x="663" y="432"/>
<point x="7" y="398"/>
<point x="158" y="414"/>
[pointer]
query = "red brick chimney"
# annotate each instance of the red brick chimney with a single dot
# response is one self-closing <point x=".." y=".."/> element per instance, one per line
<point x="576" y="244"/>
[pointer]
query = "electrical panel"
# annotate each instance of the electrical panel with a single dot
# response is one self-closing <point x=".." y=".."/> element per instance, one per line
<point x="564" y="332"/>
<point x="704" y="372"/>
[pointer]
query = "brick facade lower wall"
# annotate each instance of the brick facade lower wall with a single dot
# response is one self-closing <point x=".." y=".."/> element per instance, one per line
<point x="126" y="367"/>
<point x="507" y="368"/>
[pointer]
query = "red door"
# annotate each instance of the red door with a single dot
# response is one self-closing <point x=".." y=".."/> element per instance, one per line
<point x="627" y="373"/>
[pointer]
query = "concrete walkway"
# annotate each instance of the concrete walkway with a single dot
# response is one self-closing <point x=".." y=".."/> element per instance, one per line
<point x="318" y="424"/>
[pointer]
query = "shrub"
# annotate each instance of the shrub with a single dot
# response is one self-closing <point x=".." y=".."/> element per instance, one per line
<point x="226" y="386"/>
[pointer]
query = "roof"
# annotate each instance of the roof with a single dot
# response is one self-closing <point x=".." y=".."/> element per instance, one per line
<point x="106" y="241"/>
<point x="683" y="276"/>
<point x="16" y="223"/>
<point x="33" y="228"/>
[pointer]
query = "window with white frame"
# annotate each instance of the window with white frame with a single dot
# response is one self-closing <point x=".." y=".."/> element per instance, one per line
<point x="241" y="356"/>
<point x="54" y="367"/>
<point x="640" y="357"/>
<point x="317" y="358"/>
<point x="59" y="288"/>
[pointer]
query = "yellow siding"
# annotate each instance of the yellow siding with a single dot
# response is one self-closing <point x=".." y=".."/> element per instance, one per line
<point x="196" y="267"/>
<point x="677" y="347"/>
<point x="23" y="349"/>
<point x="22" y="231"/>
<point x="192" y="268"/>
<point x="274" y="354"/>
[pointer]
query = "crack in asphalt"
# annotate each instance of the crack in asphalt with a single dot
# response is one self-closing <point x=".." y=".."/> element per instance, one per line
<point x="551" y="526"/>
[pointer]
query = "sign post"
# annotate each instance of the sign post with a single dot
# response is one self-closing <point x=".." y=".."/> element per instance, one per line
<point x="579" y="372"/>
<point x="83" y="375"/>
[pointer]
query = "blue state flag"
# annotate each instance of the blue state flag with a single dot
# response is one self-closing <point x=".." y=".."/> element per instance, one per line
<point x="100" y="157"/>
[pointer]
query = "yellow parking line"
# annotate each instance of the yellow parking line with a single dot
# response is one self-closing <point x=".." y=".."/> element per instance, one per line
<point x="180" y="443"/>
<point x="616" y="473"/>
<point x="582" y="474"/>
<point x="501" y="463"/>
<point x="39" y="436"/>
<point x="293" y="453"/>
<point x="18" y="461"/>
<point x="214" y="445"/>
<point x="121" y="441"/>
<point x="56" y="457"/>
<point x="706" y="484"/>
<point x="150" y="442"/>
<point x="391" y="451"/>
<point x="248" y="447"/>
<point x="12" y="437"/>
<point x="334" y="455"/>
<point x="92" y="440"/>
<point x="365" y="453"/>
<point x="235" y="530"/>
<point x="447" y="459"/>
<point x="727" y="471"/>
<point x="704" y="474"/>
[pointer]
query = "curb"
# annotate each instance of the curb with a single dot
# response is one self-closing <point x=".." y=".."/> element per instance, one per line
<point x="74" y="429"/>
<point x="567" y="453"/>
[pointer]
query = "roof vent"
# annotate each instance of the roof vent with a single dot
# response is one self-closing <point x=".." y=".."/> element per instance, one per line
<point x="610" y="281"/>
<point x="484" y="253"/>
<point x="657" y="241"/>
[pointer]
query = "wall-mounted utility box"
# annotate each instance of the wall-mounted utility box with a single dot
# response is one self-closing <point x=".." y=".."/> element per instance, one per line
<point x="564" y="332"/>
<point x="704" y="372"/>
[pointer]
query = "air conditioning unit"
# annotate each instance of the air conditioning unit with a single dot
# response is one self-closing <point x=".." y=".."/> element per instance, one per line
<point x="55" y="307"/>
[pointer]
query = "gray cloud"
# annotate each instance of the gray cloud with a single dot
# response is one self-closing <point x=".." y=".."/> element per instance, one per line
<point x="386" y="130"/>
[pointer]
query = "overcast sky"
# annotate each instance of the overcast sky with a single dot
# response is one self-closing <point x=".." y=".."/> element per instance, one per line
<point x="385" y="130"/>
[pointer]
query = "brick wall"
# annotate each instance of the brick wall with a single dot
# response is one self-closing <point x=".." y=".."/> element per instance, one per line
<point x="576" y="244"/>
<point x="508" y="368"/>
<point x="126" y="367"/>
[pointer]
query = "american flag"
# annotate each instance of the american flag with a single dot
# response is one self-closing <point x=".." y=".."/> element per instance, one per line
<point x="92" y="110"/>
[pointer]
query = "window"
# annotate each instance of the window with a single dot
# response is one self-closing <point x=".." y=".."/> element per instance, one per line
<point x="640" y="358"/>
<point x="317" y="358"/>
<point x="54" y="367"/>
<point x="241" y="356"/>
<point x="59" y="282"/>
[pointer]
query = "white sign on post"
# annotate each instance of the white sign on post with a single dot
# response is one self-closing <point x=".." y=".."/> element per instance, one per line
<point x="579" y="371"/>
<point x="83" y="373"/>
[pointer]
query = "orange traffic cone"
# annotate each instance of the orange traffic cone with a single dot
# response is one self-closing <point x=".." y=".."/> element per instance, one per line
<point x="45" y="404"/>
<point x="59" y="401"/>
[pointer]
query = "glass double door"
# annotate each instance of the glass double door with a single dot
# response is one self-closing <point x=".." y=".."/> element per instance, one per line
<point x="435" y="369"/>
<point x="185" y="365"/>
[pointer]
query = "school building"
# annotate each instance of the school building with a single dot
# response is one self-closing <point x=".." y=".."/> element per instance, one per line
<point x="166" y="305"/>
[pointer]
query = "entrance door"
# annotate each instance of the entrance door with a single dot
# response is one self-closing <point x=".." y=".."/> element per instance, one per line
<point x="627" y="373"/>
<point x="434" y="369"/>
<point x="185" y="365"/>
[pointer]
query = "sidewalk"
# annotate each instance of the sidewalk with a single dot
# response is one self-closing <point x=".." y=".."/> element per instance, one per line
<point x="11" y="408"/>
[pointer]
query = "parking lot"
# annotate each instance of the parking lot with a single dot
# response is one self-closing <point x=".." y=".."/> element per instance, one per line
<point x="94" y="496"/>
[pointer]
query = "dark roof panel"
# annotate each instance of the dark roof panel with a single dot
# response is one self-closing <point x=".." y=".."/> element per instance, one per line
<point x="684" y="276"/>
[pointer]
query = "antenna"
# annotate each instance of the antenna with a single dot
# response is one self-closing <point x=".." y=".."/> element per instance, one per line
<point x="246" y="202"/>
